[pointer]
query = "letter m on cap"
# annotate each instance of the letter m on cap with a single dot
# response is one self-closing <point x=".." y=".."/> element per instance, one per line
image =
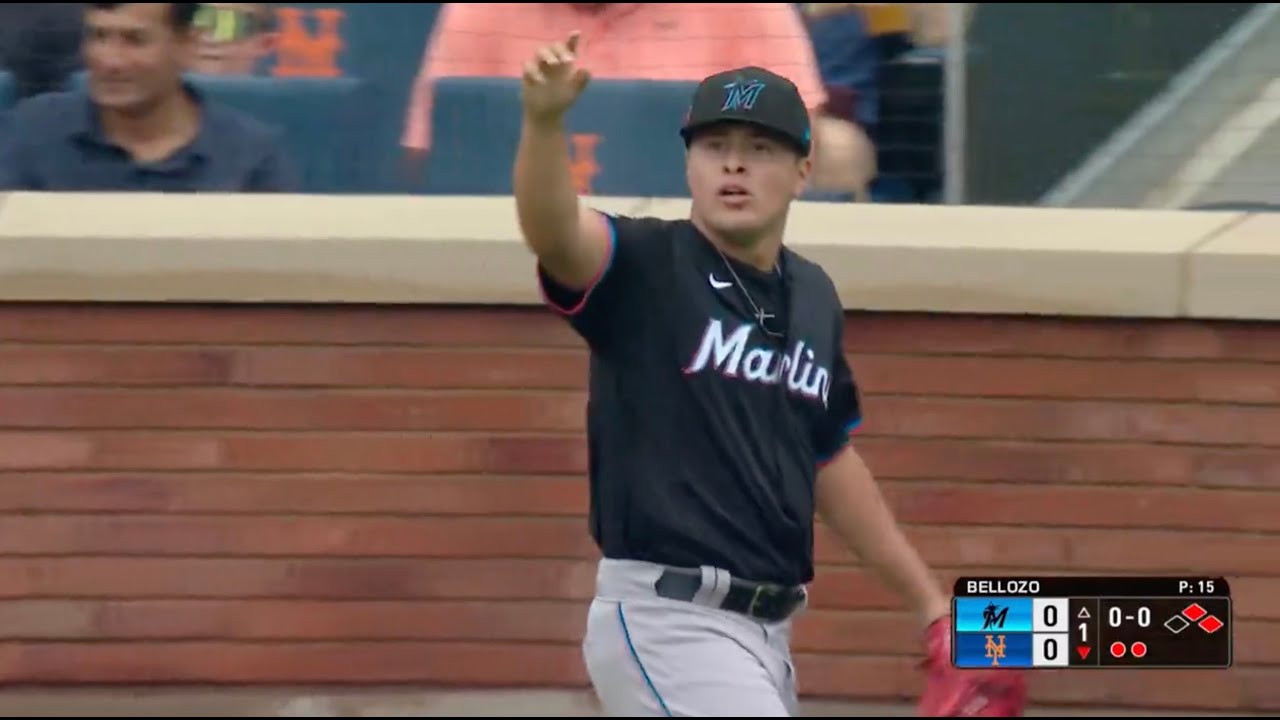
<point x="741" y="95"/>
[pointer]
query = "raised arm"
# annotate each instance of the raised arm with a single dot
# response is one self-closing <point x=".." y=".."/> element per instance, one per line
<point x="572" y="242"/>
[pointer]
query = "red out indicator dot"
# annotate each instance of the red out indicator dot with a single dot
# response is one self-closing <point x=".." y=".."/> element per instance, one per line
<point x="1138" y="649"/>
<point x="1117" y="649"/>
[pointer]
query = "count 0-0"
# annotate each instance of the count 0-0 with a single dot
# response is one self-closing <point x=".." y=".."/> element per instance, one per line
<point x="1115" y="616"/>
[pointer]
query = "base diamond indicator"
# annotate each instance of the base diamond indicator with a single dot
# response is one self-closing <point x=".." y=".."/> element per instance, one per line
<point x="1176" y="624"/>
<point x="1194" y="612"/>
<point x="1211" y="624"/>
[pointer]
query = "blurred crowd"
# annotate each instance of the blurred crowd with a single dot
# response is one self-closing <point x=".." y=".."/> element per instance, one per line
<point x="101" y="96"/>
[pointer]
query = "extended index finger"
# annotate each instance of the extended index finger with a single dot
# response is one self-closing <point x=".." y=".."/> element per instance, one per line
<point x="572" y="42"/>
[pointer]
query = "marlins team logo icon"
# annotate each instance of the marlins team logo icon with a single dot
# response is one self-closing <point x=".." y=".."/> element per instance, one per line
<point x="741" y="95"/>
<point x="994" y="616"/>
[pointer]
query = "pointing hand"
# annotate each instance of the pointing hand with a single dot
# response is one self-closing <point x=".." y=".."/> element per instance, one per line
<point x="553" y="81"/>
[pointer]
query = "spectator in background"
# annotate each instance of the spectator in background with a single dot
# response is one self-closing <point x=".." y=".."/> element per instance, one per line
<point x="851" y="40"/>
<point x="849" y="60"/>
<point x="883" y="67"/>
<point x="136" y="125"/>
<point x="235" y="38"/>
<point x="643" y="41"/>
<point x="39" y="45"/>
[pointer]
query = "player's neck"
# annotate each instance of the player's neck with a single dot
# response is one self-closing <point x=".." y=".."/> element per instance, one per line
<point x="761" y="254"/>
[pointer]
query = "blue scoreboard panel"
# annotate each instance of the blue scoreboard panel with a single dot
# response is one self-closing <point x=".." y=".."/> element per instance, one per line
<point x="1092" y="622"/>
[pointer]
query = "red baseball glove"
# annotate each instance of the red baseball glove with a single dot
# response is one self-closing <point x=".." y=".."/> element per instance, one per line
<point x="950" y="692"/>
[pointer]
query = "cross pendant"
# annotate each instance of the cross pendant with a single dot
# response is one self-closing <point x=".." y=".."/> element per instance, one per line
<point x="762" y="316"/>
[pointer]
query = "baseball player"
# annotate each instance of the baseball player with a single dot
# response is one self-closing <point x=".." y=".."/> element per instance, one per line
<point x="719" y="413"/>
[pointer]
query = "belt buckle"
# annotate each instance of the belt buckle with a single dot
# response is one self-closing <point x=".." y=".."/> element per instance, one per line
<point x="769" y="596"/>
<point x="776" y="595"/>
<point x="755" y="599"/>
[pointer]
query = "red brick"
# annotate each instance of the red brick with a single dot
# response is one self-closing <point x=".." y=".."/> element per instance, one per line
<point x="460" y="664"/>
<point x="516" y="369"/>
<point x="44" y="451"/>
<point x="944" y="503"/>
<point x="926" y="334"/>
<point x="1255" y="598"/>
<point x="35" y="365"/>
<point x="106" y="451"/>
<point x="213" y="493"/>
<point x="862" y="632"/>
<point x="947" y="547"/>
<point x="298" y="620"/>
<point x="1049" y="549"/>
<point x="1049" y="420"/>
<point x="1041" y="378"/>
<point x="315" y="535"/>
<point x="1181" y="689"/>
<point x="542" y="455"/>
<point x="848" y="588"/>
<point x="1059" y="462"/>
<point x="866" y="677"/>
<point x="442" y="453"/>
<point x="314" y="579"/>
<point x="290" y="410"/>
<point x="1239" y="468"/>
<point x="1256" y="643"/>
<point x="356" y="452"/>
<point x="1176" y="553"/>
<point x="299" y="325"/>
<point x="51" y="619"/>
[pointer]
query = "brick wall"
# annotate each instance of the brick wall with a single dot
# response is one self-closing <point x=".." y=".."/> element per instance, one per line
<point x="376" y="496"/>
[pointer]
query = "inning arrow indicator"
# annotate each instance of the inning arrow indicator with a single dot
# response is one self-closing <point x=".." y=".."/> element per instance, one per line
<point x="1084" y="651"/>
<point x="1084" y="614"/>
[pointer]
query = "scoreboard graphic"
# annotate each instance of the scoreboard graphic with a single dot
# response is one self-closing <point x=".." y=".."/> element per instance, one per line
<point x="1092" y="622"/>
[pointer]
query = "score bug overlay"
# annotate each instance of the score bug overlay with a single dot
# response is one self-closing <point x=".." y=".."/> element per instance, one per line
<point x="1092" y="622"/>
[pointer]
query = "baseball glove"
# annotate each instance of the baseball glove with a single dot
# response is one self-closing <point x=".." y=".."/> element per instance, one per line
<point x="950" y="692"/>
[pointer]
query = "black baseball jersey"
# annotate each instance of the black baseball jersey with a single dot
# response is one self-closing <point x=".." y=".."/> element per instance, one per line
<point x="707" y="423"/>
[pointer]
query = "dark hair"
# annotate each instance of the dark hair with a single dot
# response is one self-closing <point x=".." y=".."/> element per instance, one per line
<point x="181" y="15"/>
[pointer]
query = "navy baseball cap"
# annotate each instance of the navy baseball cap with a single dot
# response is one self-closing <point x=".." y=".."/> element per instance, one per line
<point x="750" y="95"/>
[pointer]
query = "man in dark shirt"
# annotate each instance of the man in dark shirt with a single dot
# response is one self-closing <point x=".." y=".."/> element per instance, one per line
<point x="136" y="125"/>
<point x="720" y="404"/>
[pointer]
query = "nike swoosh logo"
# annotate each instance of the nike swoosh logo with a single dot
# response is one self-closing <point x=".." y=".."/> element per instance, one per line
<point x="718" y="284"/>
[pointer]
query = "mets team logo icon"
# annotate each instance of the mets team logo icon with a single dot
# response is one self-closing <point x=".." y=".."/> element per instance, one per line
<point x="741" y="95"/>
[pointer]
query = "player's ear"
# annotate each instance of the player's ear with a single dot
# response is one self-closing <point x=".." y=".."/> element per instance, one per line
<point x="804" y="171"/>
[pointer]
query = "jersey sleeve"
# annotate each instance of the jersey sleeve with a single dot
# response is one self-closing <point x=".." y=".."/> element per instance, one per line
<point x="598" y="312"/>
<point x="844" y="409"/>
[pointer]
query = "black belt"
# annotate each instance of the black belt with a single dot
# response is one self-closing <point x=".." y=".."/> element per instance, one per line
<point x="761" y="601"/>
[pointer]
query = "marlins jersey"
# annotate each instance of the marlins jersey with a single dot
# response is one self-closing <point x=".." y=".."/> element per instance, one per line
<point x="716" y="393"/>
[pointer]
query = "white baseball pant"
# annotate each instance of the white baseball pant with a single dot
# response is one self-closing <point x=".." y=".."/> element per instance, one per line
<point x="649" y="656"/>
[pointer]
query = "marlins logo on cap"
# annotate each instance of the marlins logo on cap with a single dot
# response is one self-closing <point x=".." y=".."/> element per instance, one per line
<point x="751" y="95"/>
<point x="741" y="94"/>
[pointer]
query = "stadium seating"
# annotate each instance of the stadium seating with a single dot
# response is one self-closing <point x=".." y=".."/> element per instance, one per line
<point x="326" y="124"/>
<point x="637" y="149"/>
<point x="909" y="142"/>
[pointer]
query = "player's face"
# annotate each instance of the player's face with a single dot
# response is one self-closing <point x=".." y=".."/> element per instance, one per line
<point x="742" y="180"/>
<point x="134" y="54"/>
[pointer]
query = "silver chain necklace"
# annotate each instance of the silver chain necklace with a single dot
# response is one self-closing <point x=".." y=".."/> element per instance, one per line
<point x="760" y="314"/>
